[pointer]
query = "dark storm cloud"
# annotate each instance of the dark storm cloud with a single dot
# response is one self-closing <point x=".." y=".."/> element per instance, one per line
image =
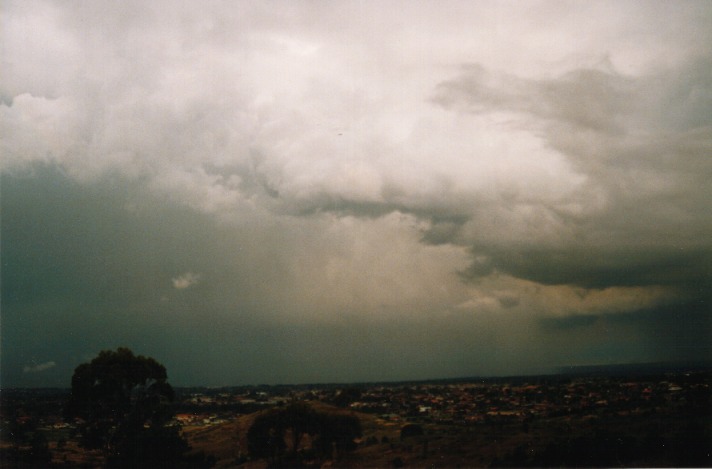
<point x="569" y="322"/>
<point x="586" y="99"/>
<point x="650" y="170"/>
<point x="596" y="267"/>
<point x="241" y="190"/>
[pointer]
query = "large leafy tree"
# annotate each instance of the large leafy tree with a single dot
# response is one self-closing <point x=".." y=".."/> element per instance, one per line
<point x="123" y="403"/>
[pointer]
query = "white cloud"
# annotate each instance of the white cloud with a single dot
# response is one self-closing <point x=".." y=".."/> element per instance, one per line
<point x="185" y="280"/>
<point x="308" y="107"/>
<point x="233" y="111"/>
<point x="39" y="367"/>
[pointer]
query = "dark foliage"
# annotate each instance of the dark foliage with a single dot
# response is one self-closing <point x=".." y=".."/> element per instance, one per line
<point x="331" y="434"/>
<point x="117" y="394"/>
<point x="336" y="432"/>
<point x="344" y="397"/>
<point x="265" y="438"/>
<point x="123" y="404"/>
<point x="411" y="429"/>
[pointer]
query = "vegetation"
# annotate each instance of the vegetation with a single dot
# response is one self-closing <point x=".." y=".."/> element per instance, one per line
<point x="344" y="397"/>
<point x="644" y="421"/>
<point x="277" y="435"/>
<point x="122" y="405"/>
<point x="410" y="430"/>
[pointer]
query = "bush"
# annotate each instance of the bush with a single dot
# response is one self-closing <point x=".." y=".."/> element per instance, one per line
<point x="411" y="430"/>
<point x="329" y="432"/>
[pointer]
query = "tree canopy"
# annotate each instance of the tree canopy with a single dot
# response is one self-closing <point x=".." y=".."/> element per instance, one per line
<point x="123" y="404"/>
<point x="331" y="433"/>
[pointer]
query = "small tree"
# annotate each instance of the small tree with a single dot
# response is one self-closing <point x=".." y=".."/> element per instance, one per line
<point x="411" y="429"/>
<point x="345" y="397"/>
<point x="267" y="436"/>
<point x="337" y="432"/>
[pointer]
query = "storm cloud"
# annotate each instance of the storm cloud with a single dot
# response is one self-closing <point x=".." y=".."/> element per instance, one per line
<point x="412" y="190"/>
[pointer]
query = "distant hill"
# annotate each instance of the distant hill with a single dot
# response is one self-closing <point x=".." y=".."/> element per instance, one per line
<point x="636" y="369"/>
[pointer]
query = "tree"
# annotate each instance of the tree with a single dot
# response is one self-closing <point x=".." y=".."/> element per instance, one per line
<point x="337" y="432"/>
<point x="411" y="429"/>
<point x="345" y="397"/>
<point x="329" y="432"/>
<point x="265" y="437"/>
<point x="123" y="403"/>
<point x="299" y="419"/>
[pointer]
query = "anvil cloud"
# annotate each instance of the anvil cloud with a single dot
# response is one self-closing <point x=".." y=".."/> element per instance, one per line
<point x="261" y="192"/>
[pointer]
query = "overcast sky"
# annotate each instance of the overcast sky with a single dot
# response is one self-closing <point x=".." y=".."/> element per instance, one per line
<point x="322" y="191"/>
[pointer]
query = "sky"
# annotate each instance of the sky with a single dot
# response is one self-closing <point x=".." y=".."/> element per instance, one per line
<point x="263" y="192"/>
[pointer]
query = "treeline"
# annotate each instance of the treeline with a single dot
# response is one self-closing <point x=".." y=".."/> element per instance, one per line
<point x="122" y="406"/>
